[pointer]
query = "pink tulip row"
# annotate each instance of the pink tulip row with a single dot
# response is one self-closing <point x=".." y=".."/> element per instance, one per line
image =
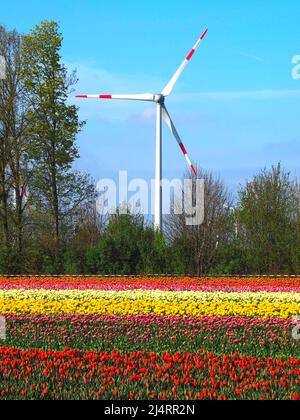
<point x="230" y="321"/>
<point x="141" y="286"/>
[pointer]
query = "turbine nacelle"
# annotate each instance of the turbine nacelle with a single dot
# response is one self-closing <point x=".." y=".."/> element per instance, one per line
<point x="159" y="98"/>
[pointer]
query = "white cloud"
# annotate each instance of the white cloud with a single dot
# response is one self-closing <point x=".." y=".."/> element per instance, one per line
<point x="96" y="80"/>
<point x="93" y="80"/>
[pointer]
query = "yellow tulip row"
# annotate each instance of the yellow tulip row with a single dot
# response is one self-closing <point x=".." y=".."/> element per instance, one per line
<point x="150" y="296"/>
<point x="184" y="308"/>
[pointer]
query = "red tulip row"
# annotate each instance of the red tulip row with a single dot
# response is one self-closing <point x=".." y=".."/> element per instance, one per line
<point x="142" y="375"/>
<point x="183" y="283"/>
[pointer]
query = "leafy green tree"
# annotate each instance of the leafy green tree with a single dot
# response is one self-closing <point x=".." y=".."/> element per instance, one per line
<point x="127" y="246"/>
<point x="119" y="244"/>
<point x="153" y="252"/>
<point x="54" y="125"/>
<point x="269" y="210"/>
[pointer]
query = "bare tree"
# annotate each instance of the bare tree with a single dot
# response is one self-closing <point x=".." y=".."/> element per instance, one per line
<point x="200" y="243"/>
<point x="13" y="167"/>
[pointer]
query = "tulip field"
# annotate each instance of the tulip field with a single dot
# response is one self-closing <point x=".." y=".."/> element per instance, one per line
<point x="150" y="338"/>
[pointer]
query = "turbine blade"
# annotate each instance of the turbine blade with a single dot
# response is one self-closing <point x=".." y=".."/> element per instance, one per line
<point x="170" y="124"/>
<point x="139" y="97"/>
<point x="170" y="86"/>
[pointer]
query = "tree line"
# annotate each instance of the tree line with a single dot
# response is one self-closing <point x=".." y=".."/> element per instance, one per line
<point x="48" y="220"/>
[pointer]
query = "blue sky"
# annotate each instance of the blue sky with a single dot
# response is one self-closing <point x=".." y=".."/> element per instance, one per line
<point x="236" y="105"/>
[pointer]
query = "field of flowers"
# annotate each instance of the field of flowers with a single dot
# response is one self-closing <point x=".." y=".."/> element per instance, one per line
<point x="149" y="338"/>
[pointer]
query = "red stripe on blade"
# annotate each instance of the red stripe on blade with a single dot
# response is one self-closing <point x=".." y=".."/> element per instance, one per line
<point x="105" y="96"/>
<point x="194" y="170"/>
<point x="81" y="96"/>
<point x="203" y="35"/>
<point x="190" y="55"/>
<point x="183" y="149"/>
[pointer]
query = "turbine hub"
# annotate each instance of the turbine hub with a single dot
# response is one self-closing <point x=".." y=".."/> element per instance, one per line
<point x="159" y="99"/>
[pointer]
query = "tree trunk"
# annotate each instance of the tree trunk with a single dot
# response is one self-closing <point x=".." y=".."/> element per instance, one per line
<point x="4" y="207"/>
<point x="56" y="214"/>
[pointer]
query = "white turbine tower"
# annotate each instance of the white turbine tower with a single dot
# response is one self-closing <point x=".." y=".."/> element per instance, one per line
<point x="159" y="99"/>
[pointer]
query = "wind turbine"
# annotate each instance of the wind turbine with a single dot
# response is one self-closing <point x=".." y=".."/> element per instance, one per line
<point x="162" y="112"/>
